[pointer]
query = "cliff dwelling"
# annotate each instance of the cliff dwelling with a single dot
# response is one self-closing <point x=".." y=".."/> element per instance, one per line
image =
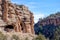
<point x="15" y="17"/>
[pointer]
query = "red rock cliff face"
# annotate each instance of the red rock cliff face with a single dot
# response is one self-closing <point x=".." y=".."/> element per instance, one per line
<point x="52" y="19"/>
<point x="16" y="17"/>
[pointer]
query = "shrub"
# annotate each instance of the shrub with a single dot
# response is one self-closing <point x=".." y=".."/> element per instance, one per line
<point x="40" y="37"/>
<point x="26" y="38"/>
<point x="15" y="37"/>
<point x="2" y="36"/>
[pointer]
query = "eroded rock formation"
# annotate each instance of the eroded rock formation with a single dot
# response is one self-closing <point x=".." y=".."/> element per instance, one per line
<point x="52" y="19"/>
<point x="15" y="17"/>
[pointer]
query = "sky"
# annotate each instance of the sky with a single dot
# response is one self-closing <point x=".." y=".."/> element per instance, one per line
<point x="40" y="8"/>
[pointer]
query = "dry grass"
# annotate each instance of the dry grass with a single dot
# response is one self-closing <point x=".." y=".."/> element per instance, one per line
<point x="16" y="36"/>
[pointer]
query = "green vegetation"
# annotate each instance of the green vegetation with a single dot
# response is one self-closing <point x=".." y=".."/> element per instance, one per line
<point x="15" y="37"/>
<point x="57" y="33"/>
<point x="40" y="37"/>
<point x="2" y="36"/>
<point x="50" y="30"/>
<point x="26" y="38"/>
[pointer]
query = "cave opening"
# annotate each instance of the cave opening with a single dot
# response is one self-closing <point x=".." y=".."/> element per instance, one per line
<point x="9" y="28"/>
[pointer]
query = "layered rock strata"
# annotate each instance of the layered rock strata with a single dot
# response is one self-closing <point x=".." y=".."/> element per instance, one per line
<point x="15" y="18"/>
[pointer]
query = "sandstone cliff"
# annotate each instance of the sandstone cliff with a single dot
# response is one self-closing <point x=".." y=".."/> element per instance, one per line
<point x="48" y="26"/>
<point x="51" y="19"/>
<point x="15" y="18"/>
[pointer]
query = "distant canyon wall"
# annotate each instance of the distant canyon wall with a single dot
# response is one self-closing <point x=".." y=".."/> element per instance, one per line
<point x="52" y="19"/>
